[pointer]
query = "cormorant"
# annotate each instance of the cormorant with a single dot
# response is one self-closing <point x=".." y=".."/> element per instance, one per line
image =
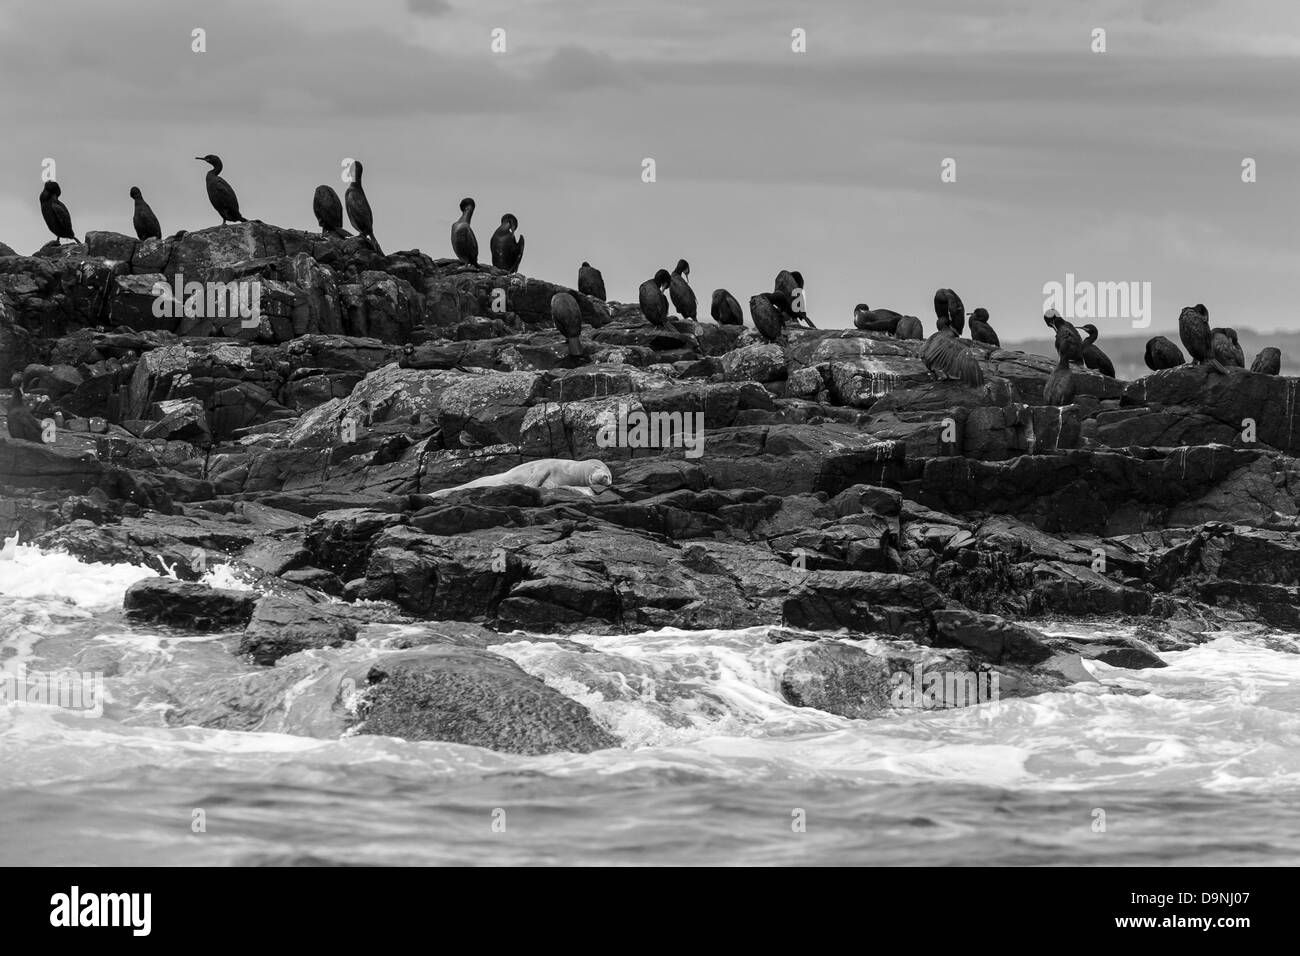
<point x="358" y="207"/>
<point x="768" y="310"/>
<point x="1094" y="357"/>
<point x="1161" y="354"/>
<point x="22" y="423"/>
<point x="980" y="329"/>
<point x="328" y="210"/>
<point x="507" y="248"/>
<point x="945" y="357"/>
<point x="463" y="242"/>
<point x="1194" y="330"/>
<point x="909" y="327"/>
<point x="591" y="282"/>
<point x="145" y="222"/>
<point x="1225" y="347"/>
<point x="947" y="304"/>
<point x="568" y="320"/>
<point x="654" y="305"/>
<point x="56" y="214"/>
<point x="725" y="309"/>
<point x="1068" y="341"/>
<point x="790" y="285"/>
<point x="876" y="320"/>
<point x="683" y="295"/>
<point x="222" y="197"/>
<point x="1059" y="388"/>
<point x="1268" y="362"/>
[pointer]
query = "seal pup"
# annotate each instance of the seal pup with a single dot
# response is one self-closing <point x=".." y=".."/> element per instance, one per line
<point x="463" y="242"/>
<point x="590" y="281"/>
<point x="876" y="320"/>
<point x="145" y="222"/>
<point x="590" y="476"/>
<point x="507" y="248"/>
<point x="328" y="210"/>
<point x="980" y="329"/>
<point x="358" y="206"/>
<point x="948" y="304"/>
<point x="21" y="422"/>
<point x="909" y="327"/>
<point x="1068" y="341"/>
<point x="56" y="214"/>
<point x="220" y="194"/>
<point x="679" y="288"/>
<point x="945" y="357"/>
<point x="1268" y="361"/>
<point x="1162" y="354"/>
<point x="1094" y="357"/>
<point x="567" y="317"/>
<point x="725" y="309"/>
<point x="768" y="310"/>
<point x="654" y="304"/>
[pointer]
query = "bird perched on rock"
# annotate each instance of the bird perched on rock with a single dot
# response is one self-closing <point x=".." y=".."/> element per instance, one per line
<point x="220" y="194"/>
<point x="145" y="222"/>
<point x="1194" y="330"/>
<point x="947" y="304"/>
<point x="1059" y="388"/>
<point x="1068" y="341"/>
<point x="56" y="214"/>
<point x="463" y="242"/>
<point x="725" y="309"/>
<point x="591" y="282"/>
<point x="980" y="329"/>
<point x="769" y="311"/>
<point x="507" y="248"/>
<point x="909" y="327"/>
<point x="358" y="206"/>
<point x="680" y="290"/>
<point x="1094" y="357"/>
<point x="876" y="320"/>
<point x="945" y="357"/>
<point x="790" y="285"/>
<point x="328" y="209"/>
<point x="567" y="317"/>
<point x="1162" y="354"/>
<point x="1225" y="347"/>
<point x="1268" y="361"/>
<point x="21" y="422"/>
<point x="654" y="304"/>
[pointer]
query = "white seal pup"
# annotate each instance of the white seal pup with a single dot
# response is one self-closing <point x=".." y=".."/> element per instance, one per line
<point x="590" y="476"/>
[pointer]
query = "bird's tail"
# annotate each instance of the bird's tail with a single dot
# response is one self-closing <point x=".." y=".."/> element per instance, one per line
<point x="375" y="242"/>
<point x="807" y="319"/>
<point x="1217" y="366"/>
<point x="575" y="346"/>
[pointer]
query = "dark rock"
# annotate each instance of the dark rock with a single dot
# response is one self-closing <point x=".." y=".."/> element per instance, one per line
<point x="188" y="604"/>
<point x="280" y="627"/>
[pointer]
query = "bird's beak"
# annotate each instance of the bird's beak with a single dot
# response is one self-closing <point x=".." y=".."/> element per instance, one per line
<point x="199" y="158"/>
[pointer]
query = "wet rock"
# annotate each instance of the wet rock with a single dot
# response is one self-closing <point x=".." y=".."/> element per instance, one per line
<point x="281" y="626"/>
<point x="188" y="604"/>
<point x="837" y="678"/>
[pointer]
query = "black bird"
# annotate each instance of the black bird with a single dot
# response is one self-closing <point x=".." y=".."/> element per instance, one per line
<point x="654" y="305"/>
<point x="945" y="357"/>
<point x="1194" y="330"/>
<point x="22" y="423"/>
<point x="567" y="317"/>
<point x="1268" y="361"/>
<point x="876" y="320"/>
<point x="507" y="248"/>
<point x="463" y="242"/>
<point x="1225" y="347"/>
<point x="1094" y="357"/>
<point x="358" y="206"/>
<point x="725" y="309"/>
<point x="145" y="222"/>
<point x="328" y="210"/>
<point x="1161" y="354"/>
<point x="947" y="304"/>
<point x="909" y="327"/>
<point x="222" y="197"/>
<point x="768" y="310"/>
<point x="790" y="285"/>
<point x="1069" y="344"/>
<point x="680" y="290"/>
<point x="980" y="329"/>
<point x="590" y="281"/>
<point x="56" y="214"/>
<point x="1059" y="388"/>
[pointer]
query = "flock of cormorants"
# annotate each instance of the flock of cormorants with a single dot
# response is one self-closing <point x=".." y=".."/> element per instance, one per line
<point x="944" y="354"/>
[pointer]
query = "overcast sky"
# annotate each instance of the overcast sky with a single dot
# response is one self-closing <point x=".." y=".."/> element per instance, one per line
<point x="1115" y="166"/>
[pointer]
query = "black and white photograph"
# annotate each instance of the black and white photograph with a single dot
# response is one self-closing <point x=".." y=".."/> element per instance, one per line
<point x="701" y="433"/>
